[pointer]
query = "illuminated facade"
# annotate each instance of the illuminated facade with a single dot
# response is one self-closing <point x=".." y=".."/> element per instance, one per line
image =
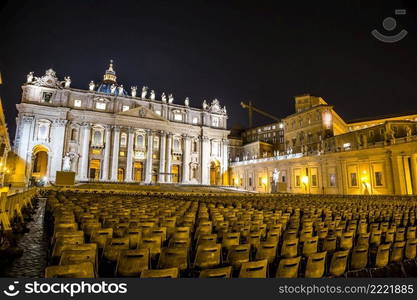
<point x="107" y="134"/>
<point x="326" y="155"/>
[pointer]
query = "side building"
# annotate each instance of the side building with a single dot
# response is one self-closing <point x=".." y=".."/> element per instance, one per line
<point x="106" y="134"/>
<point x="326" y="155"/>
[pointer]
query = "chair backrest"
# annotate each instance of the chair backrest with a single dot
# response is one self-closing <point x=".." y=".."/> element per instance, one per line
<point x="230" y="239"/>
<point x="363" y="239"/>
<point x="131" y="263"/>
<point x="382" y="255"/>
<point x="316" y="264"/>
<point x="346" y="241"/>
<point x="207" y="239"/>
<point x="100" y="236"/>
<point x="330" y="243"/>
<point x="81" y="270"/>
<point x="161" y="273"/>
<point x="338" y="263"/>
<point x="397" y="252"/>
<point x="224" y="272"/>
<point x="208" y="256"/>
<point x="238" y="254"/>
<point x="254" y="269"/>
<point x="173" y="258"/>
<point x="113" y="247"/>
<point x="359" y="258"/>
<point x="411" y="232"/>
<point x="289" y="248"/>
<point x="310" y="246"/>
<point x="288" y="267"/>
<point x="411" y="249"/>
<point x="266" y="250"/>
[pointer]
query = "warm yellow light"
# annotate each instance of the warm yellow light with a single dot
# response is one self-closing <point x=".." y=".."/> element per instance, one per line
<point x="264" y="180"/>
<point x="304" y="179"/>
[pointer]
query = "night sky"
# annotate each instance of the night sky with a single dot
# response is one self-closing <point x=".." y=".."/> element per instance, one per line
<point x="263" y="51"/>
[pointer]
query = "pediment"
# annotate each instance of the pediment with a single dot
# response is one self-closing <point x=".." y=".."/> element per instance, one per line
<point x="142" y="112"/>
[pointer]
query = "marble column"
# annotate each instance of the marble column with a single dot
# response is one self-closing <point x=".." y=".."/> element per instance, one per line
<point x="148" y="168"/>
<point x="186" y="159"/>
<point x="26" y="128"/>
<point x="106" y="159"/>
<point x="85" y="148"/>
<point x="115" y="153"/>
<point x="414" y="172"/>
<point x="168" y="158"/>
<point x="162" y="141"/>
<point x="58" y="134"/>
<point x="129" y="159"/>
<point x="205" y="160"/>
<point x="225" y="161"/>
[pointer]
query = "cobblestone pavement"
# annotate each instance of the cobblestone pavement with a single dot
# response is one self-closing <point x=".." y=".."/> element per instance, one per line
<point x="35" y="246"/>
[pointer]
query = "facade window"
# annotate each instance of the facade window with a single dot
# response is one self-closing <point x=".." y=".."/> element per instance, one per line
<point x="195" y="146"/>
<point x="101" y="105"/>
<point x="297" y="181"/>
<point x="214" y="148"/>
<point x="73" y="134"/>
<point x="195" y="120"/>
<point x="125" y="107"/>
<point x="176" y="145"/>
<point x="139" y="140"/>
<point x="378" y="178"/>
<point x="43" y="130"/>
<point x="46" y="97"/>
<point x="156" y="142"/>
<point x="97" y="138"/>
<point x="332" y="180"/>
<point x="250" y="181"/>
<point x="178" y="117"/>
<point x="77" y="103"/>
<point x="259" y="181"/>
<point x="215" y="122"/>
<point x="353" y="179"/>
<point x="123" y="139"/>
<point x="158" y="112"/>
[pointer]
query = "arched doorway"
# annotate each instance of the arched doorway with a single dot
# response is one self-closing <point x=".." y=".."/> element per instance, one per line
<point x="40" y="162"/>
<point x="215" y="176"/>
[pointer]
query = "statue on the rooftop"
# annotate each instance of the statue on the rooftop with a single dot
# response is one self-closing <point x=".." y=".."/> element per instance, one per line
<point x="29" y="77"/>
<point x="113" y="88"/>
<point x="91" y="85"/>
<point x="152" y="95"/>
<point x="170" y="98"/>
<point x="187" y="101"/>
<point x="144" y="92"/>
<point x="67" y="81"/>
<point x="133" y="90"/>
<point x="120" y="89"/>
<point x="164" y="98"/>
<point x="205" y="106"/>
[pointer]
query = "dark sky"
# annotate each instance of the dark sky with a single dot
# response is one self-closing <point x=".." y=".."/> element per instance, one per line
<point x="263" y="51"/>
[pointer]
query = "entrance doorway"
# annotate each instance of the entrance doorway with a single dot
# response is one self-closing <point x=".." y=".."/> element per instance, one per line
<point x="175" y="173"/>
<point x="40" y="162"/>
<point x="94" y="169"/>
<point x="138" y="171"/>
<point x="215" y="176"/>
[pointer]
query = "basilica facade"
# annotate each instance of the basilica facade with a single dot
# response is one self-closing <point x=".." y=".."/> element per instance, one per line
<point x="108" y="133"/>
